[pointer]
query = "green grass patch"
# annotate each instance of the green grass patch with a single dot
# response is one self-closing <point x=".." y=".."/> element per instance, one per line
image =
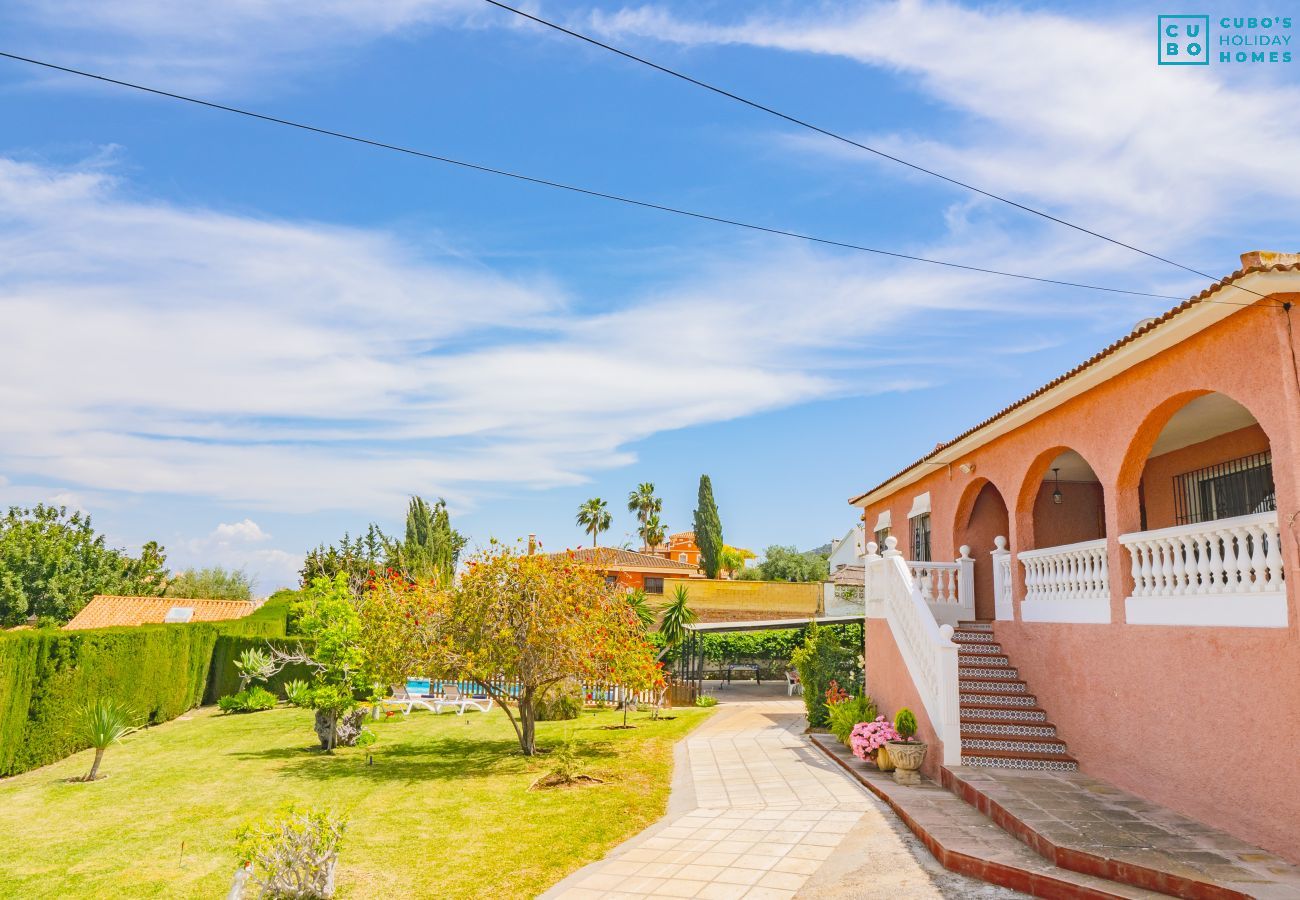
<point x="445" y="810"/>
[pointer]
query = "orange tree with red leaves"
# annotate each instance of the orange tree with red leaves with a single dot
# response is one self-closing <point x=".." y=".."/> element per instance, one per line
<point x="515" y="623"/>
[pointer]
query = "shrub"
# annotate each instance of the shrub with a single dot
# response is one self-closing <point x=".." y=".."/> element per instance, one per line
<point x="868" y="737"/>
<point x="821" y="660"/>
<point x="706" y="701"/>
<point x="848" y="713"/>
<point x="560" y="701"/>
<point x="292" y="855"/>
<point x="251" y="700"/>
<point x="905" y="723"/>
<point x="295" y="691"/>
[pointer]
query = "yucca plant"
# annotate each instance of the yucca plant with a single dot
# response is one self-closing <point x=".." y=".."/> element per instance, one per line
<point x="677" y="616"/>
<point x="104" y="722"/>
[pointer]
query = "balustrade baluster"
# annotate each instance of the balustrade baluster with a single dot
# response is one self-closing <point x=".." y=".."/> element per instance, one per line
<point x="1242" y="580"/>
<point x="1214" y="563"/>
<point x="1258" y="578"/>
<point x="1273" y="557"/>
<point x="1178" y="553"/>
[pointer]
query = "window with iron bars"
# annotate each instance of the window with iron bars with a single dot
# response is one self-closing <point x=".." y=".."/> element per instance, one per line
<point x="1238" y="487"/>
<point x="921" y="538"/>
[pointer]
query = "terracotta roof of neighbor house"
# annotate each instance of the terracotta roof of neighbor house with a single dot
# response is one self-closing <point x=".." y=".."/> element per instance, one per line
<point x="105" y="611"/>
<point x="618" y="558"/>
<point x="853" y="575"/>
<point x="1251" y="263"/>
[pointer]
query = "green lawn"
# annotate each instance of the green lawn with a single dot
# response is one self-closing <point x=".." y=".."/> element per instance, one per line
<point x="444" y="811"/>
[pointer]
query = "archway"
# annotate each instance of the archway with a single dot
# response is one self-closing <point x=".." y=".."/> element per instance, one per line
<point x="1199" y="457"/>
<point x="1062" y="501"/>
<point x="982" y="516"/>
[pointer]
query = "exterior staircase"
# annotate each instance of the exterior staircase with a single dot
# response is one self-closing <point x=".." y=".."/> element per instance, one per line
<point x="1002" y="725"/>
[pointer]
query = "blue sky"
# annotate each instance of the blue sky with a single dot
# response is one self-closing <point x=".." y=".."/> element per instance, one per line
<point x="242" y="340"/>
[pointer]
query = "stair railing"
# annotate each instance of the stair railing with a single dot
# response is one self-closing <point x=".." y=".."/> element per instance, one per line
<point x="927" y="648"/>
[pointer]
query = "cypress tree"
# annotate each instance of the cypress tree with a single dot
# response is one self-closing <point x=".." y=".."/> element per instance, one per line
<point x="708" y="529"/>
<point x="432" y="546"/>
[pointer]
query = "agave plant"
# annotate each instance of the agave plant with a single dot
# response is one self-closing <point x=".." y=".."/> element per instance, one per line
<point x="641" y="608"/>
<point x="103" y="723"/>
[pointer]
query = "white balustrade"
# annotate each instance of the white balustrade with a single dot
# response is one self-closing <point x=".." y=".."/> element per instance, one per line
<point x="1069" y="583"/>
<point x="895" y="595"/>
<point x="1224" y="572"/>
<point x="1002" y="605"/>
<point x="947" y="588"/>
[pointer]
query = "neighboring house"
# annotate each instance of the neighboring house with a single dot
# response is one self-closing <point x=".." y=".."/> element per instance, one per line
<point x="680" y="547"/>
<point x="630" y="569"/>
<point x="106" y="611"/>
<point x="1130" y="527"/>
<point x="842" y="592"/>
<point x="848" y="550"/>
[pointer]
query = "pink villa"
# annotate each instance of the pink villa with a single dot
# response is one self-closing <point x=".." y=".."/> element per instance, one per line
<point x="1094" y="577"/>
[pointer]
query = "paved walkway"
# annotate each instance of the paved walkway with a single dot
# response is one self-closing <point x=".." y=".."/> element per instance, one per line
<point x="757" y="812"/>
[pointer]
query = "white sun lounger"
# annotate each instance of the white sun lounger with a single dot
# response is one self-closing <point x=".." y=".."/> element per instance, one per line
<point x="452" y="698"/>
<point x="406" y="701"/>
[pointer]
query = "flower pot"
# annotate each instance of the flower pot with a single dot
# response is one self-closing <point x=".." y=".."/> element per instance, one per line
<point x="884" y="762"/>
<point x="907" y="757"/>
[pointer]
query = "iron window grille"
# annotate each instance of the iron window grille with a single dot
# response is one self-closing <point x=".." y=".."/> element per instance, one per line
<point x="921" y="538"/>
<point x="654" y="585"/>
<point x="1238" y="487"/>
<point x="880" y="539"/>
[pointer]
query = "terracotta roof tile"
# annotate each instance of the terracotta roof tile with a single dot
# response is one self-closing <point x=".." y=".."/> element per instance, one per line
<point x="1133" y="335"/>
<point x="105" y="611"/>
<point x="618" y="558"/>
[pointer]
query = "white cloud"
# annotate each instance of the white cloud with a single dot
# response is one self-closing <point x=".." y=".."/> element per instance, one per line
<point x="301" y="366"/>
<point x="244" y="532"/>
<point x="1054" y="110"/>
<point x="223" y="45"/>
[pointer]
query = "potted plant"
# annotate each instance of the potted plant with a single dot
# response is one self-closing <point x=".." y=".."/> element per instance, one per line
<point x="870" y="741"/>
<point x="906" y="753"/>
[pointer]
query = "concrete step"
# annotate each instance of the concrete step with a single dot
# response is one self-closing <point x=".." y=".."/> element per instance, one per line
<point x="975" y="626"/>
<point x="1094" y="827"/>
<point x="964" y="840"/>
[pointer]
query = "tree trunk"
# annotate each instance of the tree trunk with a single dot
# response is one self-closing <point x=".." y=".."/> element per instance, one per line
<point x="528" y="722"/>
<point x="94" y="767"/>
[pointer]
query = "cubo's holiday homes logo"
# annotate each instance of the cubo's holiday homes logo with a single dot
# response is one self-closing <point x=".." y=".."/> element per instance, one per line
<point x="1186" y="41"/>
<point x="1183" y="40"/>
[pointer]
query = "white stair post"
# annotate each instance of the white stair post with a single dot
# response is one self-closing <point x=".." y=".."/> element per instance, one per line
<point x="966" y="583"/>
<point x="1002" y="606"/>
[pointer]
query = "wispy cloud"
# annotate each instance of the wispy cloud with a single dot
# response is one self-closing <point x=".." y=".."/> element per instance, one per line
<point x="298" y="366"/>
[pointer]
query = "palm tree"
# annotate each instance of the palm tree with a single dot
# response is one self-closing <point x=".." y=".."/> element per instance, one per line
<point x="653" y="532"/>
<point x="677" y="615"/>
<point x="646" y="505"/>
<point x="594" y="517"/>
<point x="103" y="723"/>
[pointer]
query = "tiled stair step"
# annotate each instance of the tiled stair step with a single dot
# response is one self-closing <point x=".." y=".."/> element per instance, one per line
<point x="975" y="626"/>
<point x="969" y="670"/>
<point x="990" y="698"/>
<point x="973" y="637"/>
<point x="981" y="659"/>
<point x="978" y="650"/>
<point x="1012" y="759"/>
<point x="977" y="709"/>
<point x="999" y="726"/>
<point x="1014" y="686"/>
<point x="1000" y="743"/>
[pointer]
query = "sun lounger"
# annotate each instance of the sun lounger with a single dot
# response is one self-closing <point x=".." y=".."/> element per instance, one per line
<point x="453" y="698"/>
<point x="404" y="700"/>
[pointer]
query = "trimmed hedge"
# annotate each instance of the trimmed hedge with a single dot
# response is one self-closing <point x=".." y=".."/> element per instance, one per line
<point x="159" y="671"/>
<point x="223" y="677"/>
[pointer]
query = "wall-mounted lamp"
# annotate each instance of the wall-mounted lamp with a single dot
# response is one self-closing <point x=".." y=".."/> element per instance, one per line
<point x="1057" y="497"/>
<point x="967" y="467"/>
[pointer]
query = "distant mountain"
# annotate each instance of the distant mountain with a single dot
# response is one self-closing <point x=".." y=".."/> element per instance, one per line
<point x="823" y="550"/>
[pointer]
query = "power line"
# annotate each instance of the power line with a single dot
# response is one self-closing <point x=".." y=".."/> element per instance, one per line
<point x="589" y="192"/>
<point x="802" y="123"/>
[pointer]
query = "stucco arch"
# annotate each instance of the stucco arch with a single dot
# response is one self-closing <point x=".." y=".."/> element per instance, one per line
<point x="981" y="516"/>
<point x="1027" y="496"/>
